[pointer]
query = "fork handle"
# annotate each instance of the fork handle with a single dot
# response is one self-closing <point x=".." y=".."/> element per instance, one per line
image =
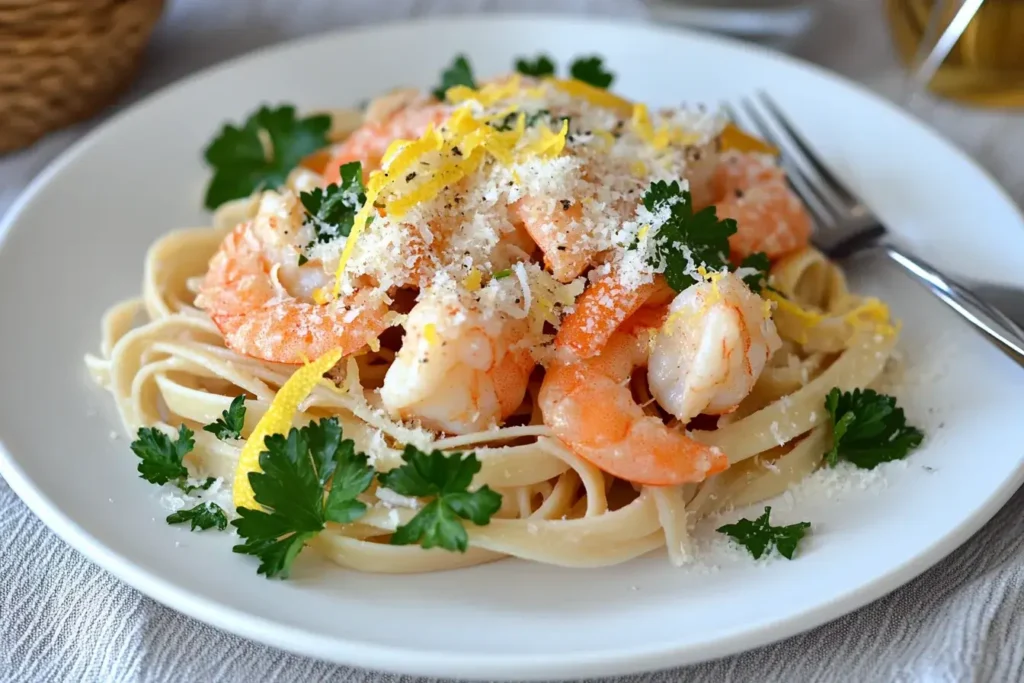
<point x="988" y="319"/>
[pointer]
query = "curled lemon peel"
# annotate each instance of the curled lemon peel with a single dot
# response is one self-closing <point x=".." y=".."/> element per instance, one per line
<point x="277" y="420"/>
<point x="732" y="138"/>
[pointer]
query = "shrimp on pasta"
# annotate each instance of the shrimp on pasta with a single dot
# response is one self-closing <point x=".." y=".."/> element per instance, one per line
<point x="500" y="319"/>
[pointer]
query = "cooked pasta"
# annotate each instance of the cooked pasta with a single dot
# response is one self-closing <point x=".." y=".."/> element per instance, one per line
<point x="553" y="208"/>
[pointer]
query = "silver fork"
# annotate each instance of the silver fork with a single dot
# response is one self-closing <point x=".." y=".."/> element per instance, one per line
<point x="846" y="226"/>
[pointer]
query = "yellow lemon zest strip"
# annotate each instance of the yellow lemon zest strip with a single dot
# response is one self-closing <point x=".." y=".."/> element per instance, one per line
<point x="277" y="420"/>
<point x="734" y="138"/>
<point x="430" y="334"/>
<point x="472" y="281"/>
<point x="594" y="95"/>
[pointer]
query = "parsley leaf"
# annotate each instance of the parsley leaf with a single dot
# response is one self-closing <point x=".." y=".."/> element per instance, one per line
<point x="333" y="209"/>
<point x="868" y="429"/>
<point x="229" y="425"/>
<point x="509" y="121"/>
<point x="202" y="516"/>
<point x="759" y="280"/>
<point x="591" y="70"/>
<point x="541" y="65"/>
<point x="758" y="536"/>
<point x="243" y="165"/>
<point x="161" y="457"/>
<point x="189" y="488"/>
<point x="446" y="479"/>
<point x="686" y="239"/>
<point x="458" y="73"/>
<point x="502" y="274"/>
<point x="291" y="489"/>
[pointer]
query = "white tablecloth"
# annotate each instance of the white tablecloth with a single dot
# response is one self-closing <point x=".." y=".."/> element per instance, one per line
<point x="64" y="619"/>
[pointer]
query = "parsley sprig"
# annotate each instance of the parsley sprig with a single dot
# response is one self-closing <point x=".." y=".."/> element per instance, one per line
<point x="759" y="280"/>
<point x="261" y="153"/>
<point x="203" y="516"/>
<point x="539" y="66"/>
<point x="229" y="424"/>
<point x="293" y="490"/>
<point x="868" y="429"/>
<point x="332" y="210"/>
<point x="205" y="486"/>
<point x="590" y="70"/>
<point x="446" y="479"/>
<point x="686" y="240"/>
<point x="160" y="457"/>
<point x="459" y="72"/>
<point x="759" y="536"/>
<point x="508" y="122"/>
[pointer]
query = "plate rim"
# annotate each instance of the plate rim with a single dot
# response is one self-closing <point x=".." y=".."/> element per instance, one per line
<point x="337" y="650"/>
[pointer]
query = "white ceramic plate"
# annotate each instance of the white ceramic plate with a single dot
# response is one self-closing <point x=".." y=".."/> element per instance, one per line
<point x="75" y="243"/>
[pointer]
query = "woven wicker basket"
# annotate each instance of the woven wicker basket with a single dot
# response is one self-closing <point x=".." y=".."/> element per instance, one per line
<point x="61" y="61"/>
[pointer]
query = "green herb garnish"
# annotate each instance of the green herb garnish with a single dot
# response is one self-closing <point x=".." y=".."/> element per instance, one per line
<point x="502" y="274"/>
<point x="759" y="262"/>
<point x="332" y="210"/>
<point x="686" y="239"/>
<point x="509" y="120"/>
<point x="205" y="486"/>
<point x="203" y="516"/>
<point x="458" y="73"/>
<point x="758" y="536"/>
<point x="261" y="153"/>
<point x="591" y="70"/>
<point x="229" y="424"/>
<point x="161" y="457"/>
<point x="587" y="69"/>
<point x="539" y="66"/>
<point x="868" y="429"/>
<point x="446" y="479"/>
<point x="292" y="489"/>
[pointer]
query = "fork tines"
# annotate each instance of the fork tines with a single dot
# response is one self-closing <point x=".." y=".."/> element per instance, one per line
<point x="842" y="219"/>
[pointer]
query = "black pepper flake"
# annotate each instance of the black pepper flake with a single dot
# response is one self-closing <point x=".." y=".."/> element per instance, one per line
<point x="696" y="155"/>
<point x="448" y="205"/>
<point x="739" y="194"/>
<point x="566" y="204"/>
<point x="570" y="138"/>
<point x="619" y="124"/>
<point x="560" y="247"/>
<point x="456" y="151"/>
<point x="410" y="176"/>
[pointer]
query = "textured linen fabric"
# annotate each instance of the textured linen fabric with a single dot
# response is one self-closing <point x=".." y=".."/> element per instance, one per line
<point x="62" y="618"/>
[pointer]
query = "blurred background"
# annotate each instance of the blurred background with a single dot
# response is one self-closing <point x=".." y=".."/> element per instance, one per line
<point x="67" y="64"/>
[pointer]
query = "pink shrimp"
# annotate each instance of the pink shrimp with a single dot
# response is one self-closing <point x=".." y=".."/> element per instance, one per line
<point x="460" y="369"/>
<point x="601" y="309"/>
<point x="248" y="293"/>
<point x="751" y="189"/>
<point x="589" y="406"/>
<point x="556" y="227"/>
<point x="401" y="115"/>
